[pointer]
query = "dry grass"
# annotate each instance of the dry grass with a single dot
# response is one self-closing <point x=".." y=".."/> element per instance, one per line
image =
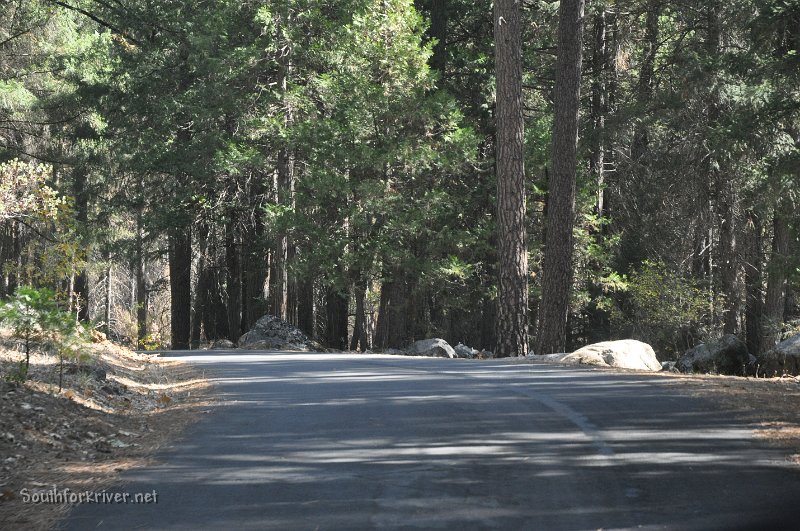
<point x="83" y="437"/>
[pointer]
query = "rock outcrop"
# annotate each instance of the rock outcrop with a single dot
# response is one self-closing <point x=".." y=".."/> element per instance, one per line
<point x="437" y="348"/>
<point x="781" y="360"/>
<point x="726" y="355"/>
<point x="272" y="333"/>
<point x="463" y="351"/>
<point x="623" y="354"/>
<point x="223" y="344"/>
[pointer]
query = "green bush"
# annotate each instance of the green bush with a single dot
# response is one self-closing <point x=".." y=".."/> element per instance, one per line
<point x="35" y="317"/>
<point x="662" y="308"/>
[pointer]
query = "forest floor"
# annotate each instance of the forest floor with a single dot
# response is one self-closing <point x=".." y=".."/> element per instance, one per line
<point x="105" y="420"/>
<point x="772" y="404"/>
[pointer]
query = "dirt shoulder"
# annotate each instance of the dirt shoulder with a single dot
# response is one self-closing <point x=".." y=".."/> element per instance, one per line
<point x="112" y="414"/>
<point x="771" y="403"/>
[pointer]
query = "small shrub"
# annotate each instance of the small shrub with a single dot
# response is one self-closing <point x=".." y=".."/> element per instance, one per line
<point x="35" y="317"/>
<point x="665" y="309"/>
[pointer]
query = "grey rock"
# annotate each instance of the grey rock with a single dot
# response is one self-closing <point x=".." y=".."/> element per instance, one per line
<point x="781" y="360"/>
<point x="622" y="354"/>
<point x="438" y="348"/>
<point x="272" y="333"/>
<point x="668" y="366"/>
<point x="463" y="351"/>
<point x="726" y="355"/>
<point x="223" y="344"/>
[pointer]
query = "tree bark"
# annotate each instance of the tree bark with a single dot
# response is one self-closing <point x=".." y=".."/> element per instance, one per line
<point x="360" y="329"/>
<point x="180" y="266"/>
<point x="80" y="293"/>
<point x="438" y="31"/>
<point x="393" y="327"/>
<point x="512" y="298"/>
<point x="141" y="283"/>
<point x="774" y="304"/>
<point x="729" y="259"/>
<point x="336" y="308"/>
<point x="286" y="183"/>
<point x="305" y="307"/>
<point x="557" y="265"/>
<point x="202" y="289"/>
<point x="754" y="302"/>
<point x="233" y="270"/>
<point x="644" y="89"/>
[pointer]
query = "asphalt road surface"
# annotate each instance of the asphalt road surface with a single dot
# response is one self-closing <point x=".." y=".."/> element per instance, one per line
<point x="324" y="441"/>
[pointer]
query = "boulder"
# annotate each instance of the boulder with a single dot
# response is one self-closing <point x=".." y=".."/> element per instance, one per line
<point x="272" y="333"/>
<point x="463" y="351"/>
<point x="623" y="354"/>
<point x="726" y="355"/>
<point x="783" y="359"/>
<point x="223" y="344"/>
<point x="437" y="348"/>
<point x="668" y="366"/>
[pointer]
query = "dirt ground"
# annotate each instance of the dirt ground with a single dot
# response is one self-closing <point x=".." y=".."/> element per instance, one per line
<point x="771" y="403"/>
<point x="112" y="414"/>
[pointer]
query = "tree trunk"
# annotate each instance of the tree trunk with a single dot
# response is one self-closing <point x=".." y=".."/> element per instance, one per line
<point x="336" y="308"/>
<point x="557" y="265"/>
<point x="285" y="180"/>
<point x="80" y="289"/>
<point x="305" y="307"/>
<point x="729" y="259"/>
<point x="754" y="303"/>
<point x="234" y="281"/>
<point x="107" y="305"/>
<point x="438" y="31"/>
<point x="644" y="89"/>
<point x="392" y="330"/>
<point x="180" y="266"/>
<point x="774" y="304"/>
<point x="141" y="284"/>
<point x="359" y="327"/>
<point x="202" y="289"/>
<point x="598" y="110"/>
<point x="512" y="298"/>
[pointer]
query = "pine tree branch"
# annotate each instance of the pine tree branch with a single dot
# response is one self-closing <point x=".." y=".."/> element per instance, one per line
<point x="98" y="20"/>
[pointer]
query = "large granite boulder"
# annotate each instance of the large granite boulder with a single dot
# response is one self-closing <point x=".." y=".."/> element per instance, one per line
<point x="726" y="355"/>
<point x="622" y="354"/>
<point x="783" y="359"/>
<point x="463" y="351"/>
<point x="272" y="333"/>
<point x="437" y="348"/>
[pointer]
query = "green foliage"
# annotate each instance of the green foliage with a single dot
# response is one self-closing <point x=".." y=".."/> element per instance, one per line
<point x="665" y="309"/>
<point x="24" y="194"/>
<point x="18" y="373"/>
<point x="35" y="317"/>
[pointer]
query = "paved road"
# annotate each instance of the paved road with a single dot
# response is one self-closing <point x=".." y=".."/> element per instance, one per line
<point x="360" y="442"/>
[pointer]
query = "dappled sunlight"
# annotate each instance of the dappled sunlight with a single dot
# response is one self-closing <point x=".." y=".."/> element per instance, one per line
<point x="370" y="441"/>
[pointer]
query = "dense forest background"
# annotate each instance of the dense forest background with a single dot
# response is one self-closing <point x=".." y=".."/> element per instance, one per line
<point x="179" y="169"/>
